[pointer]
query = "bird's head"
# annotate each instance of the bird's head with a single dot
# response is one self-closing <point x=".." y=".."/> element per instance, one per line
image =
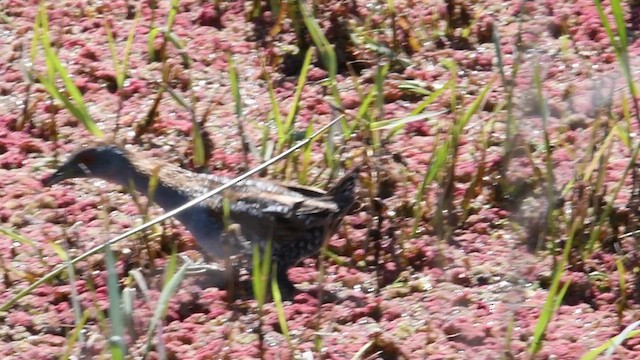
<point x="108" y="162"/>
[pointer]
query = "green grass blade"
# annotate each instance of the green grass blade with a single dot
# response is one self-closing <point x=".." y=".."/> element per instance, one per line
<point x="266" y="263"/>
<point x="75" y="334"/>
<point x="169" y="289"/>
<point x="261" y="264"/>
<point x="303" y="174"/>
<point x="439" y="158"/>
<point x="400" y="122"/>
<point x="151" y="38"/>
<point x="256" y="275"/>
<point x="548" y="309"/>
<point x="180" y="45"/>
<point x="327" y="52"/>
<point x="114" y="53"/>
<point x="75" y="302"/>
<point x="277" y="299"/>
<point x="171" y="17"/>
<point x="56" y="69"/>
<point x="620" y="44"/>
<point x="116" y="338"/>
<point x="611" y="344"/>
<point x="199" y="156"/>
<point x="380" y="75"/>
<point x="235" y="86"/>
<point x="293" y="111"/>
<point x="433" y="97"/>
<point x="437" y="162"/>
<point x="170" y="268"/>
<point x="554" y="296"/>
<point x="275" y="108"/>
<point x="128" y="308"/>
<point x="128" y="46"/>
<point x="472" y="110"/>
<point x="122" y="67"/>
<point x="15" y="236"/>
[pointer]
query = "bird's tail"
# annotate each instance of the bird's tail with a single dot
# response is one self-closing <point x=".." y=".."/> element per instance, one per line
<point x="343" y="192"/>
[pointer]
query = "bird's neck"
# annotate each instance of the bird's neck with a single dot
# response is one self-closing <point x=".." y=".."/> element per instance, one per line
<point x="166" y="196"/>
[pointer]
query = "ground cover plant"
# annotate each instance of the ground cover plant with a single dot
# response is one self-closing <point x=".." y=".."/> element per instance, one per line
<point x="498" y="200"/>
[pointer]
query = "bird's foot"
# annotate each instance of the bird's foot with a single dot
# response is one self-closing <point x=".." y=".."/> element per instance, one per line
<point x="195" y="268"/>
<point x="212" y="274"/>
<point x="289" y="291"/>
<point x="331" y="296"/>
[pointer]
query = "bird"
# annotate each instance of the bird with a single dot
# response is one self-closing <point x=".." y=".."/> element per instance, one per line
<point x="297" y="219"/>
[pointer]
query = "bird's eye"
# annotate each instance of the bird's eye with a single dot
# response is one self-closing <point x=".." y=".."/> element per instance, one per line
<point x="86" y="159"/>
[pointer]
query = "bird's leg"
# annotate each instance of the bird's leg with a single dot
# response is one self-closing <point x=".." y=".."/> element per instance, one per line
<point x="231" y="239"/>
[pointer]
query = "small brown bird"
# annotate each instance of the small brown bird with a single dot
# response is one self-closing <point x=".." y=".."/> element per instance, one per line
<point x="297" y="219"/>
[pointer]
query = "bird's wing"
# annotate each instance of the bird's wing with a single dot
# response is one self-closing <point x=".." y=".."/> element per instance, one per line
<point x="294" y="212"/>
<point x="307" y="191"/>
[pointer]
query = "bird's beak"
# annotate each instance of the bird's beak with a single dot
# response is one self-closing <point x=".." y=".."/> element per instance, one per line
<point x="66" y="171"/>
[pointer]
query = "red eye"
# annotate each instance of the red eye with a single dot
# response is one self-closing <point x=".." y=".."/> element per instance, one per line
<point x="86" y="159"/>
